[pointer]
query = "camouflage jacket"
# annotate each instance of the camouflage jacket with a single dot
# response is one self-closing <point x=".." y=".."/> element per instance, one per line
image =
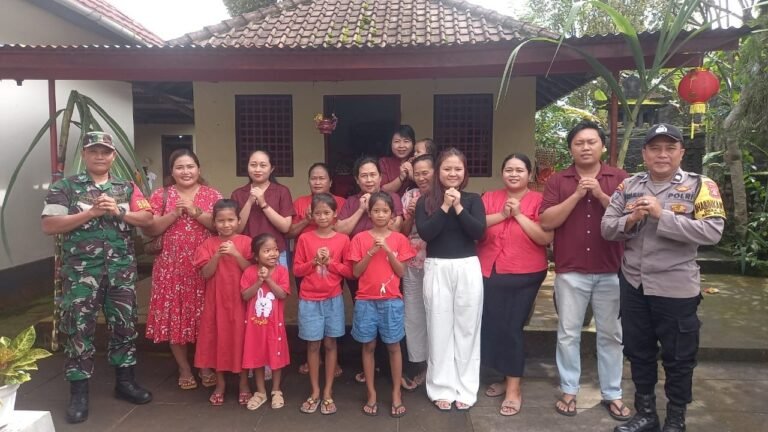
<point x="104" y="244"/>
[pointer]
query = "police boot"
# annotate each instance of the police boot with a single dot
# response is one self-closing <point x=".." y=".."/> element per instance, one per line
<point x="645" y="418"/>
<point x="675" y="421"/>
<point x="127" y="389"/>
<point x="77" y="411"/>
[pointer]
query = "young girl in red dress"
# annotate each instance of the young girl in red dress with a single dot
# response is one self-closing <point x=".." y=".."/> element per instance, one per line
<point x="378" y="256"/>
<point x="221" y="261"/>
<point x="320" y="263"/>
<point x="265" y="285"/>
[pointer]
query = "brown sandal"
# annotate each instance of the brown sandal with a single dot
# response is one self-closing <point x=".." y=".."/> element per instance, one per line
<point x="568" y="405"/>
<point x="328" y="407"/>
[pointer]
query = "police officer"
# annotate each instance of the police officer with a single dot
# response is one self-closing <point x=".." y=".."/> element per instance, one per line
<point x="663" y="215"/>
<point x="94" y="212"/>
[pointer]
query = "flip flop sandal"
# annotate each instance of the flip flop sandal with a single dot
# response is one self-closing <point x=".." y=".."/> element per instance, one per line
<point x="396" y="411"/>
<point x="619" y="405"/>
<point x="360" y="377"/>
<point x="216" y="399"/>
<point x="244" y="397"/>
<point x="568" y="404"/>
<point x="256" y="401"/>
<point x="328" y="407"/>
<point x="510" y="407"/>
<point x="372" y="411"/>
<point x="310" y="406"/>
<point x="277" y="399"/>
<point x="208" y="380"/>
<point x="443" y="405"/>
<point x="407" y="384"/>
<point x="495" y="390"/>
<point x="187" y="383"/>
<point x="461" y="406"/>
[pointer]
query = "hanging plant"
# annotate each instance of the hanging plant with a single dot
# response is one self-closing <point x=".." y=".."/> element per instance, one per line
<point x="326" y="125"/>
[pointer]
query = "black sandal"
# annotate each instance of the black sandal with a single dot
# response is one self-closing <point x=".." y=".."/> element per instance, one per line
<point x="568" y="404"/>
<point x="619" y="406"/>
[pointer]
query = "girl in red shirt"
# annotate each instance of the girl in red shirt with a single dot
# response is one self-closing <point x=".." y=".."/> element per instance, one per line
<point x="221" y="261"/>
<point x="321" y="266"/>
<point x="378" y="256"/>
<point x="265" y="285"/>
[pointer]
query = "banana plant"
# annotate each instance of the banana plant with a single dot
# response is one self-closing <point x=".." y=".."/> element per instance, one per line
<point x="91" y="117"/>
<point x="673" y="35"/>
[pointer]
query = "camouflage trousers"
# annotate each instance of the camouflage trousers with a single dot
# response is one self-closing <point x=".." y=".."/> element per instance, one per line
<point x="82" y="298"/>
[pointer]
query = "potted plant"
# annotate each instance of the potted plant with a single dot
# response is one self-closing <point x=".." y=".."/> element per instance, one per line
<point x="17" y="358"/>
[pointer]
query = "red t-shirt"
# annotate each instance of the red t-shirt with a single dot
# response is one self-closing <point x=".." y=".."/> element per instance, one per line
<point x="364" y="224"/>
<point x="321" y="283"/>
<point x="379" y="273"/>
<point x="390" y="170"/>
<point x="506" y="244"/>
<point x="278" y="197"/>
<point x="301" y="208"/>
<point x="579" y="246"/>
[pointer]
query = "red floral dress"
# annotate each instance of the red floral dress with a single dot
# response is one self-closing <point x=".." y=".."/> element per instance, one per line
<point x="177" y="286"/>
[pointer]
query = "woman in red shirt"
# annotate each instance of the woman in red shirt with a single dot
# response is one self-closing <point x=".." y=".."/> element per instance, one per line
<point x="396" y="170"/>
<point x="319" y="182"/>
<point x="514" y="263"/>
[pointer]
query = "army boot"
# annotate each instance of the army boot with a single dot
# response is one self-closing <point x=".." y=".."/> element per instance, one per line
<point x="77" y="411"/>
<point x="675" y="421"/>
<point x="645" y="418"/>
<point x="127" y="389"/>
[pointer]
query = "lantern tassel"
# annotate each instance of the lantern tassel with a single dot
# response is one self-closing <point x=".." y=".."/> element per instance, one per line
<point x="697" y="116"/>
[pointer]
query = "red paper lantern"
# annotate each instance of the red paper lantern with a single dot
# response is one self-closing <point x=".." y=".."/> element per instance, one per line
<point x="697" y="87"/>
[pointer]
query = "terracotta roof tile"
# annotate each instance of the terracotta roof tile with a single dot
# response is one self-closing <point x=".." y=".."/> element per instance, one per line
<point x="110" y="12"/>
<point x="361" y="23"/>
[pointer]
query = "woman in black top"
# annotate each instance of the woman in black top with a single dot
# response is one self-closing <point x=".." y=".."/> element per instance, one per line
<point x="451" y="222"/>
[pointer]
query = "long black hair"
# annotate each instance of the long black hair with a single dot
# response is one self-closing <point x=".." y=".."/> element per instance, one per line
<point x="434" y="197"/>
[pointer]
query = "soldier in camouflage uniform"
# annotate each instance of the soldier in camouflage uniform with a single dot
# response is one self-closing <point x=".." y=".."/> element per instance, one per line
<point x="95" y="213"/>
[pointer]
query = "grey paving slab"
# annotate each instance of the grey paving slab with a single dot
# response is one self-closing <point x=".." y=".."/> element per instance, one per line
<point x="728" y="397"/>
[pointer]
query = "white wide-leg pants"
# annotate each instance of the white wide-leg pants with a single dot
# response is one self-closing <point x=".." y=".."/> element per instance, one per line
<point x="453" y="299"/>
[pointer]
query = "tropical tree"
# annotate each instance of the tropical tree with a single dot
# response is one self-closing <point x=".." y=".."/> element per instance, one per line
<point x="84" y="114"/>
<point x="239" y="7"/>
<point x="672" y="35"/>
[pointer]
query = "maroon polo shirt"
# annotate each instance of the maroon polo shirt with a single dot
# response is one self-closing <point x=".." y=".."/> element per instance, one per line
<point x="279" y="198"/>
<point x="578" y="245"/>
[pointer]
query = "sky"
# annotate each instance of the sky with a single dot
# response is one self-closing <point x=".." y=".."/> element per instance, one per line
<point x="173" y="18"/>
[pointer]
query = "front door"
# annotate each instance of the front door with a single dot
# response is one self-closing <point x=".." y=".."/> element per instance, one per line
<point x="365" y="127"/>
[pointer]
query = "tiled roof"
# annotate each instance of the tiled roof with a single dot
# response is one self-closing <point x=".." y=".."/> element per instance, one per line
<point x="360" y="23"/>
<point x="105" y="9"/>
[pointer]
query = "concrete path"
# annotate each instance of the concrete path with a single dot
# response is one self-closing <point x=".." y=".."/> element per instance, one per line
<point x="729" y="396"/>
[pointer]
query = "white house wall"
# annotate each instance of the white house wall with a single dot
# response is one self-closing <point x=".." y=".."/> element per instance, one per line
<point x="24" y="109"/>
<point x="513" y="125"/>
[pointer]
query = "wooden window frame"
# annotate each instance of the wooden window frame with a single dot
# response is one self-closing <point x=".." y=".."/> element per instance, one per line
<point x="281" y="145"/>
<point x="478" y="166"/>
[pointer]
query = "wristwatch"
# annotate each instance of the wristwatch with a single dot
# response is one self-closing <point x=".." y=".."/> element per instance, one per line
<point x="121" y="213"/>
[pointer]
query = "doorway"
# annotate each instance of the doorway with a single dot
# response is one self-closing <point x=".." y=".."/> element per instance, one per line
<point x="365" y="127"/>
<point x="171" y="143"/>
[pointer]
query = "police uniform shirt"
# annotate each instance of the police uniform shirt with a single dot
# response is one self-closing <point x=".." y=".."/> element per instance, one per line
<point x="660" y="254"/>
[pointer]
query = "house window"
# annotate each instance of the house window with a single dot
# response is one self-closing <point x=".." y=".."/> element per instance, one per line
<point x="465" y="121"/>
<point x="264" y="122"/>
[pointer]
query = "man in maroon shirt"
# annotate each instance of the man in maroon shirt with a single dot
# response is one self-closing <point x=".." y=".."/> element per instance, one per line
<point x="587" y="267"/>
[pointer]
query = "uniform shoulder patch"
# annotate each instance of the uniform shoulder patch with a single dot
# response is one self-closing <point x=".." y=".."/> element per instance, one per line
<point x="708" y="202"/>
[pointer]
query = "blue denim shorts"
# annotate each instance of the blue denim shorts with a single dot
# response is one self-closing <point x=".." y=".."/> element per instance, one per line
<point x="385" y="317"/>
<point x="319" y="319"/>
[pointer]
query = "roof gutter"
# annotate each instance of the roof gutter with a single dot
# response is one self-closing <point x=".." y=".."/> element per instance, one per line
<point x="101" y="20"/>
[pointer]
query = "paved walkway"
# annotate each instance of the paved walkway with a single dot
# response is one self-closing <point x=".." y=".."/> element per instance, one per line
<point x="729" y="396"/>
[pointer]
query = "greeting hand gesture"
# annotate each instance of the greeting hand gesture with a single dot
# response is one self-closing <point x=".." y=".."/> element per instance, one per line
<point x="108" y="204"/>
<point x="227" y="248"/>
<point x="257" y="195"/>
<point x="263" y="273"/>
<point x="455" y="196"/>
